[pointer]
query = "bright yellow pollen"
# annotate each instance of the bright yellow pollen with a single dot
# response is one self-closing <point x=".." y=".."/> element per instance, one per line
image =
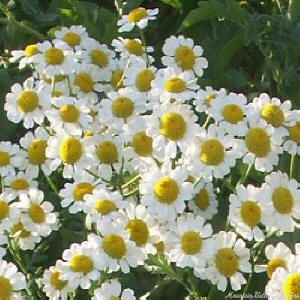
<point x="272" y="114"/>
<point x="99" y="58"/>
<point x="54" y="56"/>
<point x="232" y="113"/>
<point x="212" y="152"/>
<point x="117" y="79"/>
<point x="36" y="152"/>
<point x="291" y="287"/>
<point x="191" y="242"/>
<point x="105" y="206"/>
<point x="36" y="213"/>
<point x="22" y="233"/>
<point x="137" y="15"/>
<point x="209" y="98"/>
<point x="107" y="152"/>
<point x="28" y="101"/>
<point x="85" y="82"/>
<point x="72" y="39"/>
<point x="138" y="231"/>
<point x="69" y="113"/>
<point x="185" y="57"/>
<point x="142" y="144"/>
<point x="166" y="190"/>
<point x="114" y="246"/>
<point x="250" y="213"/>
<point x="31" y="50"/>
<point x="81" y="189"/>
<point x="4" y="209"/>
<point x="143" y="80"/>
<point x="122" y="107"/>
<point x="81" y="263"/>
<point x="202" y="199"/>
<point x="273" y="264"/>
<point x="175" y="85"/>
<point x="56" y="282"/>
<point x="283" y="200"/>
<point x="70" y="150"/>
<point x="6" y="288"/>
<point x="20" y="184"/>
<point x="294" y="132"/>
<point x="258" y="142"/>
<point x="172" y="126"/>
<point x="4" y="158"/>
<point x="226" y="262"/>
<point x="134" y="47"/>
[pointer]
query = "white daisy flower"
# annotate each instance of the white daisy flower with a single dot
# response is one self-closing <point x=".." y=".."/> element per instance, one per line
<point x="25" y="57"/>
<point x="117" y="76"/>
<point x="9" y="213"/>
<point x="292" y="142"/>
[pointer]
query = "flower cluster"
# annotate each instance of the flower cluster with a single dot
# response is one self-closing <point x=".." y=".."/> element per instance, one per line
<point x="146" y="155"/>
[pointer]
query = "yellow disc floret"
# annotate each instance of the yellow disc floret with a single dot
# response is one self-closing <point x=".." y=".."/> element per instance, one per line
<point x="172" y="126"/>
<point x="19" y="228"/>
<point x="142" y="144"/>
<point x="232" y="113"/>
<point x="54" y="56"/>
<point x="81" y="263"/>
<point x="273" y="114"/>
<point x="122" y="107"/>
<point x="258" y="142"/>
<point x="6" y="288"/>
<point x="114" y="246"/>
<point x="294" y="133"/>
<point x="31" y="50"/>
<point x="107" y="152"/>
<point x="185" y="57"/>
<point x="209" y="98"/>
<point x="37" y="152"/>
<point x="134" y="47"/>
<point x="36" y="213"/>
<point x="143" y="80"/>
<point x="283" y="200"/>
<point x="4" y="158"/>
<point x="72" y="39"/>
<point x="99" y="58"/>
<point x="175" y="85"/>
<point x="250" y="213"/>
<point x="291" y="287"/>
<point x="191" y="242"/>
<point x="137" y="15"/>
<point x="81" y="189"/>
<point x="4" y="209"/>
<point x="212" y="152"/>
<point x="273" y="264"/>
<point x="69" y="113"/>
<point x="105" y="206"/>
<point x="85" y="82"/>
<point x="166" y="190"/>
<point x="202" y="199"/>
<point x="226" y="262"/>
<point x="20" y="184"/>
<point x="117" y="79"/>
<point x="28" y="101"/>
<point x="138" y="231"/>
<point x="70" y="150"/>
<point x="57" y="283"/>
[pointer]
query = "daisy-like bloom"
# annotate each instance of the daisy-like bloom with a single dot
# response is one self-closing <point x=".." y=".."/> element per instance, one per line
<point x="188" y="242"/>
<point x="117" y="76"/>
<point x="70" y="115"/>
<point x="163" y="191"/>
<point x="212" y="154"/>
<point x="171" y="126"/>
<point x="170" y="85"/>
<point x="27" y="102"/>
<point x="292" y="142"/>
<point x="137" y="17"/>
<point x="25" y="57"/>
<point x="112" y="289"/>
<point x="9" y="213"/>
<point x="248" y="210"/>
<point x="284" y="194"/>
<point x="11" y="281"/>
<point x="204" y="202"/>
<point x="230" y="259"/>
<point x="54" y="58"/>
<point x="180" y="52"/>
<point x="80" y="266"/>
<point x="36" y="214"/>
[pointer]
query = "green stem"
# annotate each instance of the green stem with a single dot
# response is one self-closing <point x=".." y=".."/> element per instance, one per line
<point x="131" y="193"/>
<point x="245" y="175"/>
<point x="143" y="38"/>
<point x="2" y="184"/>
<point x="131" y="181"/>
<point x="211" y="294"/>
<point x="69" y="85"/>
<point x="292" y="166"/>
<point x="206" y="122"/>
<point x="52" y="185"/>
<point x="193" y="285"/>
<point x="53" y="81"/>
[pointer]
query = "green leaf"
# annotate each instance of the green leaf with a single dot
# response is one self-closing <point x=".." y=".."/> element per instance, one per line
<point x="175" y="3"/>
<point x="294" y="9"/>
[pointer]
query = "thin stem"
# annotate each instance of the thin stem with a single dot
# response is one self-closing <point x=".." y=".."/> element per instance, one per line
<point x="131" y="181"/>
<point x="53" y="81"/>
<point x="131" y="193"/>
<point x="69" y="85"/>
<point x="2" y="184"/>
<point x="206" y="122"/>
<point x="119" y="7"/>
<point x="52" y="185"/>
<point x="292" y="166"/>
<point x="193" y="285"/>
<point x="245" y="175"/>
<point x="143" y="38"/>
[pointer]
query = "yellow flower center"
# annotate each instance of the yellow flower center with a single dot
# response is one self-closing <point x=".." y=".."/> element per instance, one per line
<point x="185" y="57"/>
<point x="114" y="246"/>
<point x="172" y="126"/>
<point x="72" y="39"/>
<point x="122" y="107"/>
<point x="166" y="190"/>
<point x="69" y="113"/>
<point x="175" y="85"/>
<point x="56" y="282"/>
<point x="273" y="264"/>
<point x="4" y="158"/>
<point x="138" y="231"/>
<point x="143" y="80"/>
<point x="6" y="288"/>
<point x="258" y="142"/>
<point x="212" y="152"/>
<point x="4" y="210"/>
<point x="70" y="150"/>
<point x="114" y="298"/>
<point x="202" y="200"/>
<point x="36" y="213"/>
<point x="226" y="262"/>
<point x="31" y="50"/>
<point x="250" y="213"/>
<point x="20" y="184"/>
<point x="142" y="144"/>
<point x="105" y="206"/>
<point x="107" y="152"/>
<point x="117" y="79"/>
<point x="209" y="98"/>
<point x="291" y="287"/>
<point x="137" y="15"/>
<point x="191" y="242"/>
<point x="81" y="189"/>
<point x="81" y="263"/>
<point x="272" y="114"/>
<point x="28" y="101"/>
<point x="232" y="113"/>
<point x="160" y="247"/>
<point x="283" y="200"/>
<point x="54" y="56"/>
<point x="36" y="152"/>
<point x="85" y="82"/>
<point x="294" y="132"/>
<point x="99" y="58"/>
<point x="20" y="229"/>
<point x="134" y="47"/>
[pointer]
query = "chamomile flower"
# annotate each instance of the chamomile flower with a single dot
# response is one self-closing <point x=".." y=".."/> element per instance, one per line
<point x="25" y="57"/>
<point x="9" y="213"/>
<point x="137" y="17"/>
<point x="292" y="142"/>
<point x="27" y="102"/>
<point x="117" y="76"/>
<point x="180" y="52"/>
